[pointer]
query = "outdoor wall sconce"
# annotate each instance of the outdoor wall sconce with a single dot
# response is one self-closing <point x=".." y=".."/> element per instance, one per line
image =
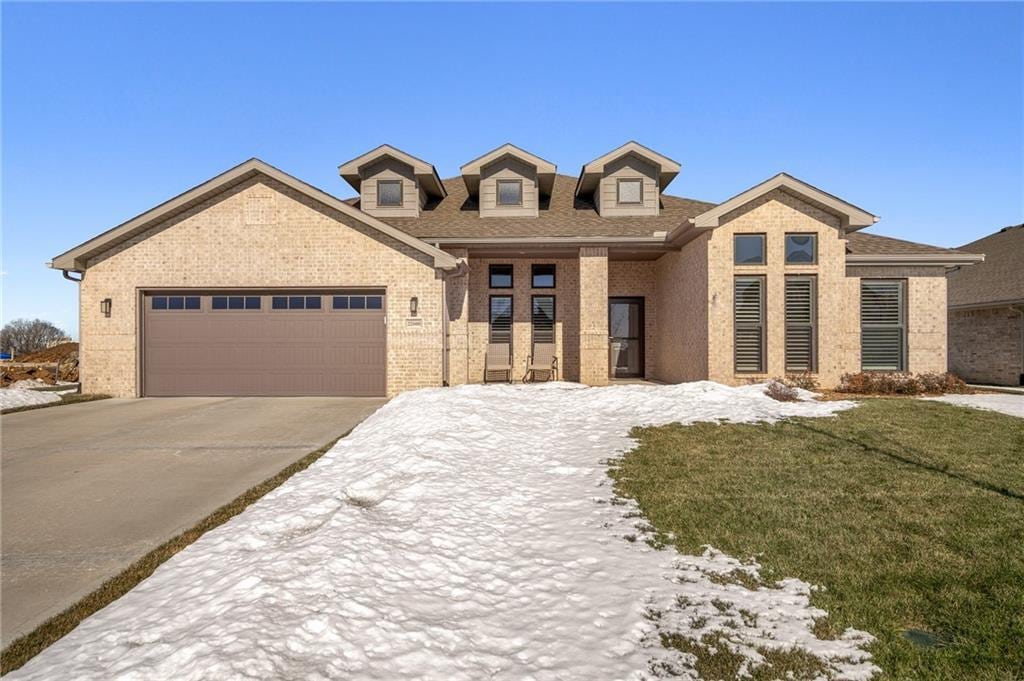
<point x="414" y="305"/>
<point x="105" y="306"/>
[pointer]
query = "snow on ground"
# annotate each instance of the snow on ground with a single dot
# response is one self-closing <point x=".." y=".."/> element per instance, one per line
<point x="1004" y="402"/>
<point x="459" y="533"/>
<point x="23" y="397"/>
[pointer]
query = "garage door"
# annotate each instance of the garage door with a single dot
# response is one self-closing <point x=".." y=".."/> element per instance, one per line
<point x="264" y="343"/>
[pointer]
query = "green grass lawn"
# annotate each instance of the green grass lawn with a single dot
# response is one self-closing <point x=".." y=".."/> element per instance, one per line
<point x="910" y="513"/>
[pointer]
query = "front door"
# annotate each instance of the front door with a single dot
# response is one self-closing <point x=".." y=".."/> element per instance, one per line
<point x="625" y="337"/>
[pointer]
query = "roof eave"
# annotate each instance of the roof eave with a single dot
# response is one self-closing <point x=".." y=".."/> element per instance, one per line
<point x="852" y="217"/>
<point x="75" y="258"/>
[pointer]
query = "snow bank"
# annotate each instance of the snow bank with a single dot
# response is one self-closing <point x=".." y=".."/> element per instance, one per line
<point x="460" y="533"/>
<point x="23" y="397"/>
<point x="1003" y="402"/>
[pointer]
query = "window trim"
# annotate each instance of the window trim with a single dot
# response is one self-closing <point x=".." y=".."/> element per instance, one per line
<point x="902" y="325"/>
<point x="490" y="316"/>
<point x="401" y="194"/>
<point x="814" y="253"/>
<point x="533" y="275"/>
<point x="511" y="276"/>
<point x="763" y="326"/>
<point x="764" y="249"/>
<point x="554" y="317"/>
<point x="497" y="192"/>
<point x="618" y="191"/>
<point x="813" y="325"/>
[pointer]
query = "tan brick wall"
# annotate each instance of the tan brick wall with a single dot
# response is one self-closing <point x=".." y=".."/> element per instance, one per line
<point x="776" y="214"/>
<point x="682" y="306"/>
<point x="638" y="279"/>
<point x="987" y="346"/>
<point x="259" y="234"/>
<point x="926" y="313"/>
<point x="593" y="287"/>
<point x="567" y="299"/>
<point x="457" y="298"/>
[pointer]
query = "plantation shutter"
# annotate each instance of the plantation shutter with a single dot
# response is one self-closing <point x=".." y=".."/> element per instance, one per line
<point x="501" y="319"/>
<point x="748" y="321"/>
<point x="882" y="326"/>
<point x="543" y="319"/>
<point x="801" y="319"/>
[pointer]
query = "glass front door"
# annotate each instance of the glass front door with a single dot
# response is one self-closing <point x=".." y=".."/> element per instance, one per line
<point x="626" y="337"/>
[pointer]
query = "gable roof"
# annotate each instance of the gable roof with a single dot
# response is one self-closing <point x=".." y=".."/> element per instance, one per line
<point x="591" y="172"/>
<point x="997" y="281"/>
<point x="853" y="218"/>
<point x="425" y="173"/>
<point x="75" y="259"/>
<point x="562" y="214"/>
<point x="545" y="169"/>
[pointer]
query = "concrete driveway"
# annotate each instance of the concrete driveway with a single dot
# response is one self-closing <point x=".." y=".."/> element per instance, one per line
<point x="89" y="488"/>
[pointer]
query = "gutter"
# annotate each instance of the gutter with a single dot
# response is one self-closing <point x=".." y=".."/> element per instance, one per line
<point x="915" y="259"/>
<point x="461" y="270"/>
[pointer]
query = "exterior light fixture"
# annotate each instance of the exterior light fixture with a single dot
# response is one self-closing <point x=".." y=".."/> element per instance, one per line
<point x="105" y="305"/>
<point x="414" y="305"/>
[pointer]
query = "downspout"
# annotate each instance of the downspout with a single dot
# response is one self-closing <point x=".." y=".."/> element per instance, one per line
<point x="1020" y="311"/>
<point x="67" y="275"/>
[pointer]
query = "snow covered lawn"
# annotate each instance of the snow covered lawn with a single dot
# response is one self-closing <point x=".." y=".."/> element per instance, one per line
<point x="23" y="397"/>
<point x="1002" y="402"/>
<point x="460" y="533"/>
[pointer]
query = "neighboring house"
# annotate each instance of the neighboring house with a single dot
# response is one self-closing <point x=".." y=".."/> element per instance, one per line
<point x="986" y="311"/>
<point x="256" y="283"/>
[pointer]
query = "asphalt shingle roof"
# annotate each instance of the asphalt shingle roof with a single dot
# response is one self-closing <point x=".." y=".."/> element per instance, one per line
<point x="1000" y="279"/>
<point x="561" y="215"/>
<point x="863" y="243"/>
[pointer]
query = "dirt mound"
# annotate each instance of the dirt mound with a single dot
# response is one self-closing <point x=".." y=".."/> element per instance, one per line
<point x="65" y="353"/>
<point x="58" y="353"/>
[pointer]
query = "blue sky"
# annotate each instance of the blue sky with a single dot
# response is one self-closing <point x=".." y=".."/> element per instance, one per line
<point x="912" y="111"/>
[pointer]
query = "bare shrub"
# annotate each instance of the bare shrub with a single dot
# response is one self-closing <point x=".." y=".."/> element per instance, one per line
<point x="898" y="383"/>
<point x="28" y="335"/>
<point x="779" y="391"/>
<point x="804" y="381"/>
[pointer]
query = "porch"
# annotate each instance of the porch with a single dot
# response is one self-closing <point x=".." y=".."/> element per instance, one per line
<point x="599" y="306"/>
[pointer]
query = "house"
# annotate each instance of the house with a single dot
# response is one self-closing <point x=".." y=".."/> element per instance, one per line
<point x="986" y="311"/>
<point x="256" y="283"/>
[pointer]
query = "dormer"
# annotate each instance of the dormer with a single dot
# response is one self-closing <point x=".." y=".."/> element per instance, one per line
<point x="508" y="182"/>
<point x="392" y="183"/>
<point x="627" y="181"/>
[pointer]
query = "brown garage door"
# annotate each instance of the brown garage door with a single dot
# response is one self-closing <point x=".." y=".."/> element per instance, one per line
<point x="263" y="343"/>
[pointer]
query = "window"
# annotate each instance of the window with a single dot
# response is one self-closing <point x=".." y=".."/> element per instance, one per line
<point x="801" y="249"/>
<point x="748" y="249"/>
<point x="630" y="191"/>
<point x="175" y="303"/>
<point x="882" y="325"/>
<point x="510" y="192"/>
<point x="389" y="192"/>
<point x="543" y="276"/>
<point x="500" y="276"/>
<point x="748" y="324"/>
<point x="357" y="302"/>
<point x="295" y="303"/>
<point x="801" y="319"/>
<point x="542" y="318"/>
<point x="501" y="319"/>
<point x="236" y="302"/>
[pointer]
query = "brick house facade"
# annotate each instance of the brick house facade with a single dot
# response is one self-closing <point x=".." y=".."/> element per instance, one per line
<point x="255" y="274"/>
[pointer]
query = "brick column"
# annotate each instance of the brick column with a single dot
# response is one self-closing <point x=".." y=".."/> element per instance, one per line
<point x="594" y="316"/>
<point x="457" y="301"/>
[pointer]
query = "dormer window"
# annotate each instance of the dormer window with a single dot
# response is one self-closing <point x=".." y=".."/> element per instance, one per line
<point x="389" y="193"/>
<point x="510" y="192"/>
<point x="630" y="191"/>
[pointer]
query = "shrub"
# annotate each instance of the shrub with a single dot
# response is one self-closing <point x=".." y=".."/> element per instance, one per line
<point x="897" y="383"/>
<point x="804" y="381"/>
<point x="777" y="390"/>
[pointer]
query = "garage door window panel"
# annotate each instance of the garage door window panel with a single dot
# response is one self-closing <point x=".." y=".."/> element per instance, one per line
<point x="357" y="302"/>
<point x="175" y="303"/>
